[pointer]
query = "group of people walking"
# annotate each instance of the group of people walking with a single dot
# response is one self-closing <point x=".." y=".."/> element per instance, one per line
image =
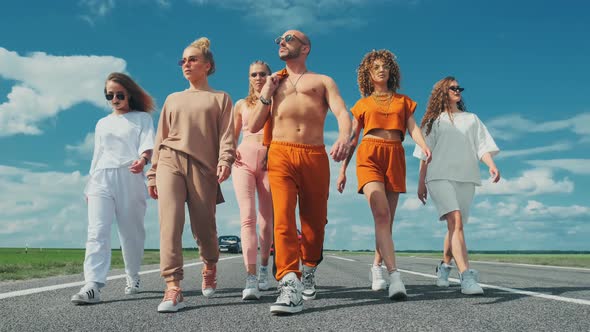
<point x="283" y="161"/>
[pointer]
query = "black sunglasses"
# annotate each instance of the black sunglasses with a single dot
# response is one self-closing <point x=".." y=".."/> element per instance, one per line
<point x="287" y="39"/>
<point x="261" y="74"/>
<point x="110" y="96"/>
<point x="456" y="88"/>
<point x="190" y="60"/>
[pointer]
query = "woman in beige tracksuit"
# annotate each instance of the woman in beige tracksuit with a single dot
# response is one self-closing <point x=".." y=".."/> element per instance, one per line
<point x="193" y="152"/>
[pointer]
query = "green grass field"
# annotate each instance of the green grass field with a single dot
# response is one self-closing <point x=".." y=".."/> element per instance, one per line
<point x="16" y="264"/>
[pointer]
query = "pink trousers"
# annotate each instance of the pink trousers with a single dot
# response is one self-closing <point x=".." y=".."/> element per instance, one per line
<point x="248" y="179"/>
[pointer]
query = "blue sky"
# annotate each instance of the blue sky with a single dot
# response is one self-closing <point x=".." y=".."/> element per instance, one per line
<point x="523" y="63"/>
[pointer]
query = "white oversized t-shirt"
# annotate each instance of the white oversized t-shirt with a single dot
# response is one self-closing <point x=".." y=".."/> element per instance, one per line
<point x="457" y="148"/>
<point x="121" y="139"/>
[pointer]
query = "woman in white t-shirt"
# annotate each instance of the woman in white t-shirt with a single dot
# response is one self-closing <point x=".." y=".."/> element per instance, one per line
<point x="458" y="141"/>
<point x="123" y="143"/>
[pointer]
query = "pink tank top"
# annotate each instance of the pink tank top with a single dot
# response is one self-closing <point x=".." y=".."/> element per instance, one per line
<point x="245" y="129"/>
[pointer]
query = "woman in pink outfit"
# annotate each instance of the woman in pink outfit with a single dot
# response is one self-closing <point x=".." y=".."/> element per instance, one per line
<point x="249" y="177"/>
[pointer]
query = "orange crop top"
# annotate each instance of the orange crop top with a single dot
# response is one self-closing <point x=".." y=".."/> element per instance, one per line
<point x="372" y="116"/>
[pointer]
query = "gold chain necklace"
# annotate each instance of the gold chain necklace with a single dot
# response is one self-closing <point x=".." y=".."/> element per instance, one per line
<point x="383" y="101"/>
<point x="297" y="81"/>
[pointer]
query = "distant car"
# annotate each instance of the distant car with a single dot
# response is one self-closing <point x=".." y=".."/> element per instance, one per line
<point x="230" y="243"/>
<point x="272" y="246"/>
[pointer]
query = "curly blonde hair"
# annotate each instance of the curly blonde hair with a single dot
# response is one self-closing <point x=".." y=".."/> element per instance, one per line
<point x="439" y="102"/>
<point x="251" y="98"/>
<point x="364" y="71"/>
<point x="204" y="44"/>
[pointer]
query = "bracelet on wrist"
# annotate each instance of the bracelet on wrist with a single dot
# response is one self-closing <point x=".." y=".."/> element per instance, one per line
<point x="264" y="100"/>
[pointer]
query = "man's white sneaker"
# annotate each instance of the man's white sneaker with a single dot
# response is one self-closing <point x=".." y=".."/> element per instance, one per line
<point x="132" y="285"/>
<point x="377" y="275"/>
<point x="308" y="279"/>
<point x="173" y="300"/>
<point x="251" y="291"/>
<point x="88" y="294"/>
<point x="469" y="283"/>
<point x="263" y="278"/>
<point x="290" y="299"/>
<point x="442" y="274"/>
<point x="397" y="290"/>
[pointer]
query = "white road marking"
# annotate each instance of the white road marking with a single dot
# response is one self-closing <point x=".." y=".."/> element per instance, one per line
<point x="81" y="283"/>
<point x="342" y="258"/>
<point x="515" y="264"/>
<point x="506" y="289"/>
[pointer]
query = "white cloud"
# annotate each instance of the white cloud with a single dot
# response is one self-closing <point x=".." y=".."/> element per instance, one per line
<point x="513" y="126"/>
<point x="277" y="16"/>
<point x="576" y="166"/>
<point x="47" y="85"/>
<point x="95" y="9"/>
<point x="84" y="148"/>
<point x="531" y="182"/>
<point x="411" y="204"/>
<point x="536" y="208"/>
<point x="537" y="150"/>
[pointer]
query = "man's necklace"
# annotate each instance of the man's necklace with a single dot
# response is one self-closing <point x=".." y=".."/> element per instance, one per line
<point x="297" y="81"/>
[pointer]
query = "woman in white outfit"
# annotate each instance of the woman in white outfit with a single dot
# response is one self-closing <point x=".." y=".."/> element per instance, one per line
<point x="123" y="143"/>
<point x="458" y="141"/>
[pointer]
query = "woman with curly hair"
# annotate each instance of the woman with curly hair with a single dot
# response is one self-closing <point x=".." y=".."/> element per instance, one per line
<point x="193" y="153"/>
<point x="384" y="115"/>
<point x="459" y="141"/>
<point x="250" y="176"/>
<point x="123" y="142"/>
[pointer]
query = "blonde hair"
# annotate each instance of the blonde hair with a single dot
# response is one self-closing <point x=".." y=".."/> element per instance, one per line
<point x="251" y="98"/>
<point x="364" y="76"/>
<point x="204" y="44"/>
<point x="438" y="102"/>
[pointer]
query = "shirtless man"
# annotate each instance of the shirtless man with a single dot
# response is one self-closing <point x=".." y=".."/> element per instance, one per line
<point x="298" y="166"/>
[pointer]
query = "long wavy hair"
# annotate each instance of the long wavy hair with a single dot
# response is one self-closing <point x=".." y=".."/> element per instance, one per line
<point x="439" y="102"/>
<point x="364" y="71"/>
<point x="251" y="98"/>
<point x="204" y="44"/>
<point x="139" y="99"/>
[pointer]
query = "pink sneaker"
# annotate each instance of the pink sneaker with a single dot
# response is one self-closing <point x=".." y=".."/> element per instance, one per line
<point x="209" y="281"/>
<point x="173" y="300"/>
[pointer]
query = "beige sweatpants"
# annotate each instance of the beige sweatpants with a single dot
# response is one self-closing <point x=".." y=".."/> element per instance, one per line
<point x="180" y="179"/>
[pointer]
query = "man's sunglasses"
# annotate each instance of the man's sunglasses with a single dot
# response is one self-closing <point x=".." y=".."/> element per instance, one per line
<point x="456" y="88"/>
<point x="261" y="74"/>
<point x="110" y="96"/>
<point x="288" y="38"/>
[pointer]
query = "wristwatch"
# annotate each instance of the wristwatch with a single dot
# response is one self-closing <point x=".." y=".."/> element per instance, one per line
<point x="147" y="161"/>
<point x="264" y="100"/>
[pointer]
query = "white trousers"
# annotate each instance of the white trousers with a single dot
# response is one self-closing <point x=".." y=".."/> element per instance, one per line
<point x="114" y="192"/>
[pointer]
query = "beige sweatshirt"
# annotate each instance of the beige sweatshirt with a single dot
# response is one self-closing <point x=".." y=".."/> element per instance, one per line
<point x="200" y="124"/>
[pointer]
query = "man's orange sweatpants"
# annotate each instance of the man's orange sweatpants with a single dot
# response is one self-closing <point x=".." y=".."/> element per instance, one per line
<point x="298" y="172"/>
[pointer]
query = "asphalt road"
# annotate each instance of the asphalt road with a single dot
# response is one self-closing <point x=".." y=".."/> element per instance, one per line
<point x="517" y="298"/>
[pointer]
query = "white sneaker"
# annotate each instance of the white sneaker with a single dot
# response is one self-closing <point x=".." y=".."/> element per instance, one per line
<point x="251" y="291"/>
<point x="442" y="274"/>
<point x="377" y="275"/>
<point x="469" y="283"/>
<point x="173" y="300"/>
<point x="290" y="298"/>
<point x="88" y="294"/>
<point x="263" y="278"/>
<point x="397" y="290"/>
<point x="132" y="285"/>
<point x="308" y="280"/>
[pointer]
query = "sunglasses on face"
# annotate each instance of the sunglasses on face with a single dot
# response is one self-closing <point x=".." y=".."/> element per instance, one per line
<point x="288" y="38"/>
<point x="190" y="60"/>
<point x="456" y="88"/>
<point x="110" y="96"/>
<point x="261" y="74"/>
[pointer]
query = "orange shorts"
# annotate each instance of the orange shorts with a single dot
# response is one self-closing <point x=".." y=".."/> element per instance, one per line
<point x="379" y="160"/>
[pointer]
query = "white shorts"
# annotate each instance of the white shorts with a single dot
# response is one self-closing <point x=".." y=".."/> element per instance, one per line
<point x="450" y="196"/>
